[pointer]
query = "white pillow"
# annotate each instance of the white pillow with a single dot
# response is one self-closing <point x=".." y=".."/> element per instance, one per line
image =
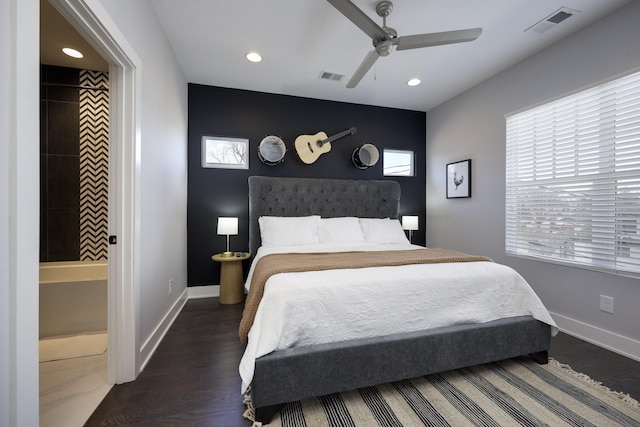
<point x="383" y="231"/>
<point x="338" y="230"/>
<point x="288" y="231"/>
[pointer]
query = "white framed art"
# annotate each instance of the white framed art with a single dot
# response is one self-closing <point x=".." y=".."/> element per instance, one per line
<point x="225" y="152"/>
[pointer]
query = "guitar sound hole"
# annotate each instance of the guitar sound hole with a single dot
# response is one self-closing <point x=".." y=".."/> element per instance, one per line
<point x="319" y="143"/>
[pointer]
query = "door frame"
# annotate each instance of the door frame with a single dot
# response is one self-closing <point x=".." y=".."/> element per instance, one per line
<point x="92" y="21"/>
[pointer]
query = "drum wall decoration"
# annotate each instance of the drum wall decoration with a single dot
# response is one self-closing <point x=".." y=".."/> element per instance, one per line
<point x="271" y="150"/>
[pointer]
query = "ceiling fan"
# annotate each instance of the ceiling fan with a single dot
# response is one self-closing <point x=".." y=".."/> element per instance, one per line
<point x="384" y="38"/>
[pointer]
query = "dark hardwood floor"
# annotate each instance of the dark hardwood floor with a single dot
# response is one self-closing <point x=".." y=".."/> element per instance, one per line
<point x="192" y="379"/>
<point x="617" y="372"/>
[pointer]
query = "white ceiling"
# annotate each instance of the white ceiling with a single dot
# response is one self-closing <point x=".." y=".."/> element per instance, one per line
<point x="300" y="39"/>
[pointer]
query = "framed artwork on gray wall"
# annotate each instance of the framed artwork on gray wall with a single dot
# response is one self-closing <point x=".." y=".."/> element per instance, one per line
<point x="459" y="179"/>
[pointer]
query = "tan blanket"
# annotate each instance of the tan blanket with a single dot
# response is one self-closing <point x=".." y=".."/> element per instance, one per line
<point x="269" y="265"/>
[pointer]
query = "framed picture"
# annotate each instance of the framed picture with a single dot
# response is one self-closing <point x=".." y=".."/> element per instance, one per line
<point x="459" y="179"/>
<point x="225" y="152"/>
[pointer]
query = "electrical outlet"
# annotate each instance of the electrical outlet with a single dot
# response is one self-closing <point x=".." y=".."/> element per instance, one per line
<point x="170" y="286"/>
<point x="606" y="303"/>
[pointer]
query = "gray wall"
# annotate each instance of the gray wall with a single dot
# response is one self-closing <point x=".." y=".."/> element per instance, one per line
<point x="160" y="170"/>
<point x="472" y="125"/>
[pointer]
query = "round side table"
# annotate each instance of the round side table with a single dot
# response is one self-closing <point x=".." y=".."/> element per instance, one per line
<point x="231" y="280"/>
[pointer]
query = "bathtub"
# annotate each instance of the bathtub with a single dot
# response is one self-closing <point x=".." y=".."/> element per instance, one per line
<point x="73" y="297"/>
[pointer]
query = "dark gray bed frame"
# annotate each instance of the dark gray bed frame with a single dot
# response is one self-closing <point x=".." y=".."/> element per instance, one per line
<point x="302" y="372"/>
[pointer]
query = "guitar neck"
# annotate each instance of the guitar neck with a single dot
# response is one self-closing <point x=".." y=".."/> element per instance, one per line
<point x="336" y="136"/>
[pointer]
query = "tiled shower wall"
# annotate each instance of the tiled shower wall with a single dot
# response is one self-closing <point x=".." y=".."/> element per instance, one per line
<point x="94" y="165"/>
<point x="73" y="164"/>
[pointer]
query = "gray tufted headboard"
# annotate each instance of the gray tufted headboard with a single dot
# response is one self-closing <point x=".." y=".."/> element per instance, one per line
<point x="270" y="196"/>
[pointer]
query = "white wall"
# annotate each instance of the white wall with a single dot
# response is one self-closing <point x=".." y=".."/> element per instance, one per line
<point x="5" y="227"/>
<point x="19" y="211"/>
<point x="472" y="125"/>
<point x="163" y="163"/>
<point x="163" y="169"/>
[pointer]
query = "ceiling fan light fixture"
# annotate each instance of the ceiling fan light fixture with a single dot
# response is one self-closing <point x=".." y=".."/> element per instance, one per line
<point x="384" y="47"/>
<point x="384" y="38"/>
<point x="413" y="82"/>
<point x="72" y="52"/>
<point x="254" y="57"/>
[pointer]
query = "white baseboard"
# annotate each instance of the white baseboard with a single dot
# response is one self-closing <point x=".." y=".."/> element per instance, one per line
<point x="149" y="347"/>
<point x="620" y="344"/>
<point x="204" y="291"/>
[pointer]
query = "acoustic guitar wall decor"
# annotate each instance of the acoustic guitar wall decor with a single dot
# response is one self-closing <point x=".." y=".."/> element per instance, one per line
<point x="310" y="147"/>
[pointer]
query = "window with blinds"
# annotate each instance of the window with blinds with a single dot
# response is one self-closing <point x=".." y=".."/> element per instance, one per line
<point x="573" y="179"/>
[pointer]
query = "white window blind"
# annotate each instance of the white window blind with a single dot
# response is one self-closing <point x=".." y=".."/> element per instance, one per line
<point x="573" y="179"/>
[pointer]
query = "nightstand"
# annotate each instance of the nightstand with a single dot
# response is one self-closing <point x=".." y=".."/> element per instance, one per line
<point x="231" y="279"/>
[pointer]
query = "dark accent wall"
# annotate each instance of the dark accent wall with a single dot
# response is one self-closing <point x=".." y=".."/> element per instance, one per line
<point x="254" y="115"/>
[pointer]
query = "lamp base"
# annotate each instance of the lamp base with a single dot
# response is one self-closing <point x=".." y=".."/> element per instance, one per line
<point x="227" y="254"/>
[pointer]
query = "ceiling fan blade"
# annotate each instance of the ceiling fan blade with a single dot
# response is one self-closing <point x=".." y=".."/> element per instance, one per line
<point x="436" y="39"/>
<point x="364" y="67"/>
<point x="359" y="18"/>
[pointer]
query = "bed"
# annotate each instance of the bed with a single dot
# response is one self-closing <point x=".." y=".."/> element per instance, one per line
<point x="302" y="369"/>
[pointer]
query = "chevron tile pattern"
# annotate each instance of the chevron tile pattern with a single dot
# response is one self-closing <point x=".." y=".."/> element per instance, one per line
<point x="94" y="165"/>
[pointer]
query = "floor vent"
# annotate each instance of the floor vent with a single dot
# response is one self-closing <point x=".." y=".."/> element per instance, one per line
<point x="325" y="75"/>
<point x="552" y="20"/>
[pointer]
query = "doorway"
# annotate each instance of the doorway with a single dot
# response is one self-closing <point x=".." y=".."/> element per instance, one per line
<point x="90" y="20"/>
<point x="74" y="212"/>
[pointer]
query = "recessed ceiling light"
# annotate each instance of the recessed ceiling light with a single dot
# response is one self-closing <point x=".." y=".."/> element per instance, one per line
<point x="413" y="82"/>
<point x="254" y="57"/>
<point x="72" y="52"/>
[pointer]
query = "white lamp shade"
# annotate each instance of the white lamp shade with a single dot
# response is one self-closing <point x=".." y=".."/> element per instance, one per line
<point x="410" y="222"/>
<point x="228" y="226"/>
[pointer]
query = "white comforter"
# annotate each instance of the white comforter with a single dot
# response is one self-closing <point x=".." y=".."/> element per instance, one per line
<point x="328" y="306"/>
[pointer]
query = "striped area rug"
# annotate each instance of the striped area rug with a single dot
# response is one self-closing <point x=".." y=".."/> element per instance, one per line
<point x="516" y="392"/>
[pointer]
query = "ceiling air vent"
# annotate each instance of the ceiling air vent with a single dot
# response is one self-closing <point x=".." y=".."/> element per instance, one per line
<point x="325" y="75"/>
<point x="552" y="20"/>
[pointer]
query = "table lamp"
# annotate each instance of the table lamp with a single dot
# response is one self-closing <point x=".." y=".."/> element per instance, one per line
<point x="410" y="222"/>
<point x="227" y="226"/>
